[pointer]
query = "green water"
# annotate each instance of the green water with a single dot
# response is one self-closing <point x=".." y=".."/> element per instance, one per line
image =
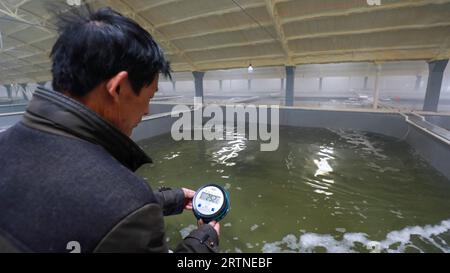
<point x="321" y="191"/>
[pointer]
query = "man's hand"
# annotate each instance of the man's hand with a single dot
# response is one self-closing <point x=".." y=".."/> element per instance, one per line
<point x="188" y="195"/>
<point x="214" y="224"/>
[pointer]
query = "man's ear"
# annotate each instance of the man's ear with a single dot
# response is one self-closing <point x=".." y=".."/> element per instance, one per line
<point x="114" y="84"/>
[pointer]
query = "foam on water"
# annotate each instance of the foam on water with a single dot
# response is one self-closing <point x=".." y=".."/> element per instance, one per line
<point x="230" y="151"/>
<point x="184" y="232"/>
<point x="395" y="241"/>
<point x="360" y="139"/>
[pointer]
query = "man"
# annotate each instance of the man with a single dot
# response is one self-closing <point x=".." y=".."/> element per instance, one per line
<point x="66" y="177"/>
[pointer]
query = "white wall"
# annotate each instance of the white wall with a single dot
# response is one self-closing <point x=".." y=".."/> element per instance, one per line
<point x="306" y="85"/>
<point x="211" y="86"/>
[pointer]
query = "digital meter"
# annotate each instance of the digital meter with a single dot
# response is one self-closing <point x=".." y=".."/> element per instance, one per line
<point x="211" y="203"/>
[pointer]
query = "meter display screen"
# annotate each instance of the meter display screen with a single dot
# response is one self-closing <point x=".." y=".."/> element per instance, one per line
<point x="209" y="197"/>
<point x="210" y="203"/>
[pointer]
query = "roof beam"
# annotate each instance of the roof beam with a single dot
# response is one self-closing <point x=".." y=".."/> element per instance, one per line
<point x="21" y="3"/>
<point x="40" y="39"/>
<point x="223" y="30"/>
<point x="32" y="42"/>
<point x="19" y="73"/>
<point x="349" y="12"/>
<point x="245" y="59"/>
<point x="366" y="56"/>
<point x="11" y="70"/>
<point x="259" y="42"/>
<point x="21" y="57"/>
<point x="31" y="71"/>
<point x="16" y="30"/>
<point x="42" y="22"/>
<point x="363" y="50"/>
<point x="228" y="64"/>
<point x="423" y="53"/>
<point x="22" y="79"/>
<point x="36" y="64"/>
<point x="273" y="12"/>
<point x="161" y="3"/>
<point x="324" y="35"/>
<point x="208" y="14"/>
<point x="13" y="12"/>
<point x="16" y="58"/>
<point x="366" y="31"/>
<point x="369" y="56"/>
<point x="40" y="51"/>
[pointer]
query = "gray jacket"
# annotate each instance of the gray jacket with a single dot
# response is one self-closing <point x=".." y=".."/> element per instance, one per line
<point x="67" y="181"/>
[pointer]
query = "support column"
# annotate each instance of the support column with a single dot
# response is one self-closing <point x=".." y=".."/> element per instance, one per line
<point x="320" y="83"/>
<point x="174" y="87"/>
<point x="418" y="81"/>
<point x="282" y="84"/>
<point x="198" y="79"/>
<point x="24" y="90"/>
<point x="249" y="84"/>
<point x="220" y="85"/>
<point x="436" y="73"/>
<point x="290" y="75"/>
<point x="376" y="91"/>
<point x="9" y="90"/>
<point x="366" y="80"/>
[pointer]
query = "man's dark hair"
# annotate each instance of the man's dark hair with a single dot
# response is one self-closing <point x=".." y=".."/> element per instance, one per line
<point x="95" y="46"/>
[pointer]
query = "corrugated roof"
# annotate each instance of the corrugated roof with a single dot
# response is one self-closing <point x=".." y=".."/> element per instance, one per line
<point x="219" y="34"/>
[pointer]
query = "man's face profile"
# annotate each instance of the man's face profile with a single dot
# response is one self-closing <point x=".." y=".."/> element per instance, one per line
<point x="133" y="107"/>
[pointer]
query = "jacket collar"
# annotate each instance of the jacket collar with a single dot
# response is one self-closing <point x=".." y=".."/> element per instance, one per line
<point x="54" y="112"/>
